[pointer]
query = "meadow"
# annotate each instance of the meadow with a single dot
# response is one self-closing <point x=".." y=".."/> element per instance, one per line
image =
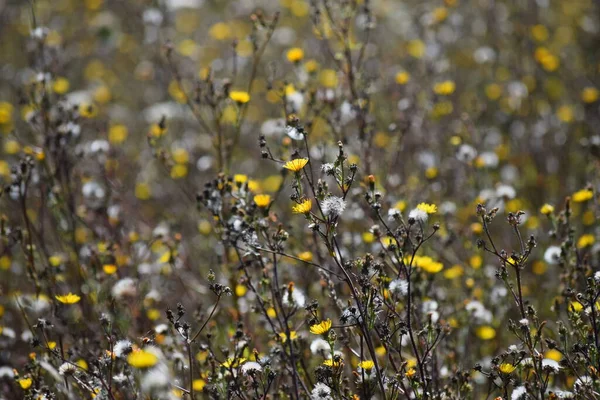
<point x="299" y="199"/>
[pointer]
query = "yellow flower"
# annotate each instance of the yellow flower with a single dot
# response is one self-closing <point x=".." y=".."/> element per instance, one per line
<point x="454" y="272"/>
<point x="432" y="267"/>
<point x="296" y="165"/>
<point x="117" y="134"/>
<point x="585" y="241"/>
<point x="428" y="208"/>
<point x="416" y="48"/>
<point x="25" y="383"/>
<point x="476" y="261"/>
<point x="410" y="373"/>
<point x="328" y="78"/>
<point x="262" y="200"/>
<point x="402" y="77"/>
<point x="547" y="209"/>
<point x="284" y="337"/>
<point x="589" y="94"/>
<point x="305" y="256"/>
<point x="553" y="354"/>
<point x="109" y="269"/>
<point x="506" y="368"/>
<point x="444" y="88"/>
<point x="575" y="306"/>
<point x="582" y="195"/>
<point x="68" y="298"/>
<point x="331" y="363"/>
<point x="220" y="31"/>
<point x="60" y="85"/>
<point x="6" y="110"/>
<point x="321" y="328"/>
<point x="565" y="113"/>
<point x="158" y="130"/>
<point x="367" y="365"/>
<point x="198" y="385"/>
<point x="142" y="359"/>
<point x="486" y="332"/>
<point x="311" y="66"/>
<point x="240" y="178"/>
<point x="295" y="54"/>
<point x="230" y="362"/>
<point x="302" y="208"/>
<point x="239" y="97"/>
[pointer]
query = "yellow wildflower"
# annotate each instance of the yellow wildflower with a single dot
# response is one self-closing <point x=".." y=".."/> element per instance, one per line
<point x="262" y="200"/>
<point x="109" y="269"/>
<point x="302" y="208"/>
<point x="284" y="337"/>
<point x="296" y="164"/>
<point x="590" y="95"/>
<point x="585" y="241"/>
<point x="428" y="208"/>
<point x="547" y="209"/>
<point x="506" y="368"/>
<point x="332" y="363"/>
<point x="239" y="97"/>
<point x="486" y="332"/>
<point x="444" y="88"/>
<point x="68" y="298"/>
<point x="305" y="256"/>
<point x="367" y="365"/>
<point x="142" y="359"/>
<point x="25" y="383"/>
<point x="321" y="328"/>
<point x="402" y="77"/>
<point x="295" y="55"/>
<point x="198" y="385"/>
<point x="582" y="195"/>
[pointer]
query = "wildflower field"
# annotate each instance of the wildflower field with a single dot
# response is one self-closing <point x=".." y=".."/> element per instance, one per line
<point x="299" y="199"/>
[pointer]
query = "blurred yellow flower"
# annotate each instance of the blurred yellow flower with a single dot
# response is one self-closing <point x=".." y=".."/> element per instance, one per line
<point x="416" y="48"/>
<point x="284" y="337"/>
<point x="6" y="110"/>
<point x="117" y="133"/>
<point x="366" y="365"/>
<point x="220" y="31"/>
<point x="565" y="113"/>
<point x="198" y="385"/>
<point x="296" y="165"/>
<point x="539" y="33"/>
<point x="444" y="88"/>
<point x="328" y="78"/>
<point x="60" y="85"/>
<point x="109" y="269"/>
<point x="321" y="328"/>
<point x="589" y="95"/>
<point x="262" y="200"/>
<point x="311" y="66"/>
<point x="585" y="241"/>
<point x="239" y="97"/>
<point x="402" y="77"/>
<point x="69" y="298"/>
<point x="547" y="209"/>
<point x="428" y="208"/>
<point x="142" y="359"/>
<point x="485" y="332"/>
<point x="305" y="256"/>
<point x="295" y="55"/>
<point x="582" y="195"/>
